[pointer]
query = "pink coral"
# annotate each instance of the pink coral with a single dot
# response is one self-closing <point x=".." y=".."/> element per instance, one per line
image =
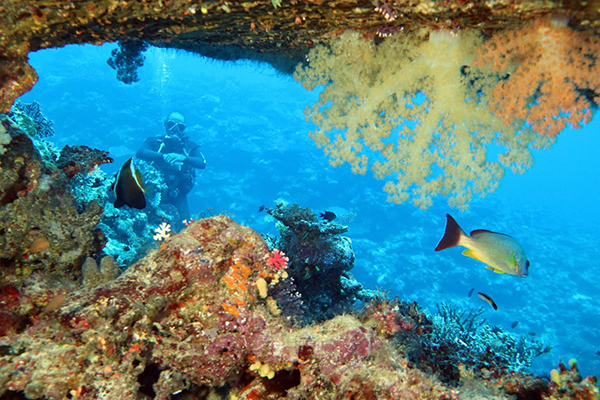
<point x="548" y="68"/>
<point x="278" y="260"/>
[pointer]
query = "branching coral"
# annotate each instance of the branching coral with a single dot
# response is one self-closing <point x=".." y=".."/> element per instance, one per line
<point x="460" y="335"/>
<point x="30" y="119"/>
<point x="412" y="109"/>
<point x="550" y="75"/>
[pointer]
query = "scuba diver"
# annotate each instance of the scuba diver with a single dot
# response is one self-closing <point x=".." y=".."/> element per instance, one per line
<point x="177" y="157"/>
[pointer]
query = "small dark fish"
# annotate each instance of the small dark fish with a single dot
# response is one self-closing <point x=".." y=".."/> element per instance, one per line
<point x="487" y="299"/>
<point x="328" y="216"/>
<point x="531" y="333"/>
<point x="514" y="324"/>
<point x="129" y="189"/>
<point x="598" y="353"/>
<point x="471" y="292"/>
<point x="261" y="208"/>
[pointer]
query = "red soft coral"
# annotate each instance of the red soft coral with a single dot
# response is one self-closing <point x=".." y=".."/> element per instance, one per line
<point x="278" y="260"/>
<point x="551" y="72"/>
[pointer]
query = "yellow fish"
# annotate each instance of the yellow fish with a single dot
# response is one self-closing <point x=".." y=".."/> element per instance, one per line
<point x="500" y="252"/>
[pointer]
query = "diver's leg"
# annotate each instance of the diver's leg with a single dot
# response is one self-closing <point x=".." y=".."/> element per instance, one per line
<point x="183" y="207"/>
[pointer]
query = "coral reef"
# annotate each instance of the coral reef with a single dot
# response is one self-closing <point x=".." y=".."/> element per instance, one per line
<point x="4" y="139"/>
<point x="35" y="203"/>
<point x="44" y="236"/>
<point x="94" y="275"/>
<point x="188" y="319"/>
<point x="410" y="108"/>
<point x="81" y="159"/>
<point x="439" y="345"/>
<point x="422" y="118"/>
<point x="567" y="383"/>
<point x="463" y="337"/>
<point x="320" y="261"/>
<point x="177" y="323"/>
<point x="128" y="232"/>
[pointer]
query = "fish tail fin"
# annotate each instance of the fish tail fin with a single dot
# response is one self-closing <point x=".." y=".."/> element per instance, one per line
<point x="452" y="234"/>
<point x="119" y="203"/>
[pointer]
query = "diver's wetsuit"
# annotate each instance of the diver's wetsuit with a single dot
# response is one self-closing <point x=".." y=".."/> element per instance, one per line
<point x="179" y="180"/>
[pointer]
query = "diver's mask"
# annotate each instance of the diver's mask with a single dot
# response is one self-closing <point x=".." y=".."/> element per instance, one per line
<point x="175" y="127"/>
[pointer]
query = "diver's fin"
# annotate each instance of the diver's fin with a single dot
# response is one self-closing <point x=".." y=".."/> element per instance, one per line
<point x="452" y="234"/>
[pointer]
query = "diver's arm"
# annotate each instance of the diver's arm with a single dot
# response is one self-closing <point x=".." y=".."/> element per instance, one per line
<point x="196" y="159"/>
<point x="145" y="152"/>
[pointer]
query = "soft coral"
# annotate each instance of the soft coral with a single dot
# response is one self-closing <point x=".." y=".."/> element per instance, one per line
<point x="548" y="74"/>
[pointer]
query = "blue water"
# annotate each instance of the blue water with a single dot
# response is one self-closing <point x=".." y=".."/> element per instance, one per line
<point x="249" y="120"/>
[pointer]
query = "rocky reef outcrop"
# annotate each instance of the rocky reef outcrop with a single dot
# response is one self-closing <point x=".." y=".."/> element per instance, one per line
<point x="44" y="236"/>
<point x="42" y="228"/>
<point x="278" y="31"/>
<point x="191" y="319"/>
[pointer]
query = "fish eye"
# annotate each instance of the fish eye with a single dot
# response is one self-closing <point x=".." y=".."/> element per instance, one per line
<point x="527" y="263"/>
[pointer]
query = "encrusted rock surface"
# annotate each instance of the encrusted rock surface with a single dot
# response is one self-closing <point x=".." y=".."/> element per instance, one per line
<point x="36" y="207"/>
<point x="277" y="31"/>
<point x="188" y="319"/>
<point x="176" y="320"/>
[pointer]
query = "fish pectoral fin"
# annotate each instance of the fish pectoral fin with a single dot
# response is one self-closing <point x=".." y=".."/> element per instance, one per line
<point x="472" y="254"/>
<point x="498" y="271"/>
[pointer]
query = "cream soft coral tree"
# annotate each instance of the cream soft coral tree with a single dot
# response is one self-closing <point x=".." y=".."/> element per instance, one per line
<point x="410" y="109"/>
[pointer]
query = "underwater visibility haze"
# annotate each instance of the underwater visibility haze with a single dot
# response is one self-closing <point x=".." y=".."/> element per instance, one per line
<point x="326" y="252"/>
